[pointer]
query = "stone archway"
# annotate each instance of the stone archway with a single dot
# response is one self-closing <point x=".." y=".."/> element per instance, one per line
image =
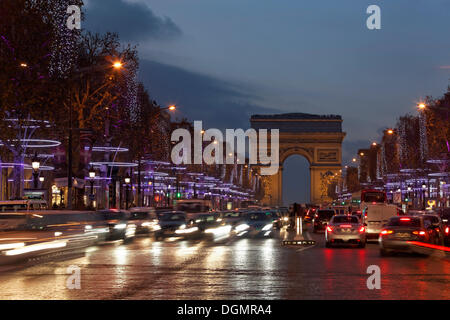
<point x="317" y="138"/>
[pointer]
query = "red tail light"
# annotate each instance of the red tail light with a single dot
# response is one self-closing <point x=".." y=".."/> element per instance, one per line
<point x="384" y="232"/>
<point x="446" y="230"/>
<point x="405" y="219"/>
<point x="330" y="229"/>
<point x="362" y="229"/>
<point x="420" y="233"/>
<point x="345" y="225"/>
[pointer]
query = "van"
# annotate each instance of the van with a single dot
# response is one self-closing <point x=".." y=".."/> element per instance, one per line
<point x="375" y="216"/>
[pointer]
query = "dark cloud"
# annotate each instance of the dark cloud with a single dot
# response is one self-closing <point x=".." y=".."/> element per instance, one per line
<point x="132" y="21"/>
<point x="219" y="104"/>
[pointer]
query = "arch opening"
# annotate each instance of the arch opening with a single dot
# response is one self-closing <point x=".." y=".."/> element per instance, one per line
<point x="296" y="180"/>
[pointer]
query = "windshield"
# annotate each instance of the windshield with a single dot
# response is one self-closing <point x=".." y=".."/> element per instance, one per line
<point x="325" y="214"/>
<point x="259" y="216"/>
<point x="138" y="215"/>
<point x="231" y="214"/>
<point x="404" y="222"/>
<point x="172" y="217"/>
<point x="112" y="215"/>
<point x="345" y="219"/>
<point x="374" y="197"/>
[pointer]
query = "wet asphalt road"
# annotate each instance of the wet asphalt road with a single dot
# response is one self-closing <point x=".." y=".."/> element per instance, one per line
<point x="237" y="269"/>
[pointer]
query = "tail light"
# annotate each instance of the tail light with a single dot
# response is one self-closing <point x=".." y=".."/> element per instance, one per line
<point x="345" y="225"/>
<point x="405" y="219"/>
<point x="384" y="232"/>
<point x="419" y="233"/>
<point x="362" y="229"/>
<point x="446" y="230"/>
<point x="330" y="229"/>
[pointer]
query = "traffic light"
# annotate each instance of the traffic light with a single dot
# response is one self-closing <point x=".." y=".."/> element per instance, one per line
<point x="178" y="195"/>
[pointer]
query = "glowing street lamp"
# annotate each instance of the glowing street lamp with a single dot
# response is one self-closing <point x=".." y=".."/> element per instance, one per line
<point x="117" y="65"/>
<point x="127" y="182"/>
<point x="421" y="106"/>
<point x="172" y="107"/>
<point x="35" y="164"/>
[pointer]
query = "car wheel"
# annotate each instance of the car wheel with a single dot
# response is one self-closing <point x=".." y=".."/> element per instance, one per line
<point x="384" y="253"/>
<point x="362" y="245"/>
<point x="327" y="244"/>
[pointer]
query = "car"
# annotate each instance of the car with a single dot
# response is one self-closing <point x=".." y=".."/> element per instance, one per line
<point x="233" y="217"/>
<point x="145" y="219"/>
<point x="210" y="225"/>
<point x="445" y="217"/>
<point x="345" y="229"/>
<point x="399" y="230"/>
<point x="172" y="224"/>
<point x="435" y="228"/>
<point x="321" y="219"/>
<point x="256" y="224"/>
<point x="114" y="224"/>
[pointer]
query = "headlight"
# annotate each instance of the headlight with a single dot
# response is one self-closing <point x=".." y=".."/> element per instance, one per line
<point x="268" y="227"/>
<point x="242" y="227"/>
<point x="183" y="226"/>
<point x="120" y="226"/>
<point x="88" y="227"/>
<point x="285" y="219"/>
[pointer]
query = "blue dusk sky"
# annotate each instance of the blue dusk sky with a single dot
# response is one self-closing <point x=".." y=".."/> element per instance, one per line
<point x="221" y="61"/>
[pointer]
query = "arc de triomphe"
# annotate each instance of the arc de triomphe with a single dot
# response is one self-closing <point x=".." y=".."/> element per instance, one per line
<point x="318" y="138"/>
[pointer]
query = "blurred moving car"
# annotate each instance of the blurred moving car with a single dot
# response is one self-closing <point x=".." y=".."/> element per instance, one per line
<point x="233" y="217"/>
<point x="395" y="235"/>
<point x="321" y="219"/>
<point x="212" y="226"/>
<point x="171" y="223"/>
<point x="145" y="219"/>
<point x="257" y="223"/>
<point x="345" y="229"/>
<point x="435" y="228"/>
<point x="445" y="217"/>
<point x="113" y="224"/>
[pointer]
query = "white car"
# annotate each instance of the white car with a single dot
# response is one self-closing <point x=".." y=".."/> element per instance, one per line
<point x="345" y="229"/>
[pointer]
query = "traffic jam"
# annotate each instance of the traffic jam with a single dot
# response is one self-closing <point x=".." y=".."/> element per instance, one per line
<point x="27" y="231"/>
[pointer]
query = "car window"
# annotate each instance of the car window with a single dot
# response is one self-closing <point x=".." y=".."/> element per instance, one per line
<point x="231" y="214"/>
<point x="347" y="219"/>
<point x="139" y="215"/>
<point x="172" y="217"/>
<point x="325" y="214"/>
<point x="259" y="216"/>
<point x="404" y="222"/>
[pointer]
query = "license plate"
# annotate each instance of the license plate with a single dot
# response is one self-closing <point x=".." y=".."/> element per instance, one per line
<point x="403" y="235"/>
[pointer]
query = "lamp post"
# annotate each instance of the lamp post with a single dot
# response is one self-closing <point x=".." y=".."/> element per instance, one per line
<point x="127" y="183"/>
<point x="79" y="73"/>
<point x="424" y="187"/>
<point x="35" y="164"/>
<point x="91" y="180"/>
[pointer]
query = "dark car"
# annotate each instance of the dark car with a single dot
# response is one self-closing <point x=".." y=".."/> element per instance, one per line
<point x="435" y="228"/>
<point x="321" y="219"/>
<point x="145" y="219"/>
<point x="113" y="225"/>
<point x="398" y="231"/>
<point x="445" y="217"/>
<point x="258" y="223"/>
<point x="212" y="226"/>
<point x="232" y="217"/>
<point x="171" y="223"/>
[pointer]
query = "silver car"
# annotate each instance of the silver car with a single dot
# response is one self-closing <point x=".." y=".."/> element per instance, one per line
<point x="345" y="229"/>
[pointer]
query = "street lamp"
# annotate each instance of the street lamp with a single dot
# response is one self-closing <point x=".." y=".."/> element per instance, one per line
<point x="91" y="180"/>
<point x="421" y="106"/>
<point x="79" y="73"/>
<point x="35" y="164"/>
<point x="127" y="183"/>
